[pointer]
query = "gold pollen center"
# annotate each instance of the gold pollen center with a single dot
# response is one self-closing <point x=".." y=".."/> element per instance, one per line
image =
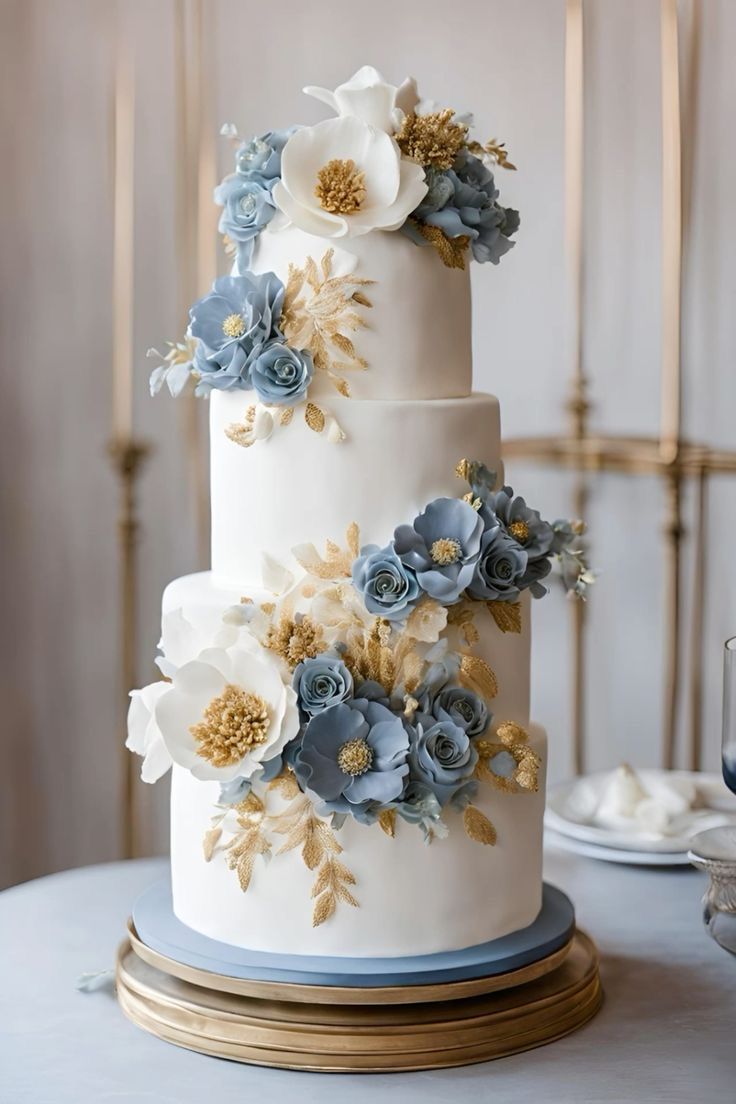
<point x="340" y="187"/>
<point x="519" y="530"/>
<point x="355" y="757"/>
<point x="231" y="725"/>
<point x="233" y="326"/>
<point x="446" y="551"/>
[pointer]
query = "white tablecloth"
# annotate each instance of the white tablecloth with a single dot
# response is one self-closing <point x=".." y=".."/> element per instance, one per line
<point x="667" y="1031"/>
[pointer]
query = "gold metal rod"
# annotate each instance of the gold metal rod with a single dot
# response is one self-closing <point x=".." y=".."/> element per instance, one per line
<point x="673" y="542"/>
<point x="579" y="652"/>
<point x="574" y="146"/>
<point x="697" y="624"/>
<point x="671" y="232"/>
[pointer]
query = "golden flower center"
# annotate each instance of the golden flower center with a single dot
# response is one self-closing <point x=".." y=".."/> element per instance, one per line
<point x="519" y="530"/>
<point x="433" y="139"/>
<point x="340" y="187"/>
<point x="355" y="757"/>
<point x="295" y="641"/>
<point x="446" y="551"/>
<point x="233" y="326"/>
<point x="232" y="724"/>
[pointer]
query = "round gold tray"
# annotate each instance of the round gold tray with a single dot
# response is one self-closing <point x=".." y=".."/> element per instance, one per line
<point x="353" y="1030"/>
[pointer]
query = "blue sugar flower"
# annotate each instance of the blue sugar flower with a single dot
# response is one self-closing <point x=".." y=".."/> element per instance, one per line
<point x="442" y="547"/>
<point x="321" y="683"/>
<point x="281" y="375"/>
<point x="261" y="157"/>
<point x="353" y="756"/>
<point x="231" y="323"/>
<point x="525" y="526"/>
<point x="389" y="588"/>
<point x="443" y="758"/>
<point x="464" y="708"/>
<point x="500" y="568"/>
<point x="247" y="207"/>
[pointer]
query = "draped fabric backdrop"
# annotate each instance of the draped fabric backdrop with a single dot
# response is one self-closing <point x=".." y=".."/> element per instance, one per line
<point x="59" y="627"/>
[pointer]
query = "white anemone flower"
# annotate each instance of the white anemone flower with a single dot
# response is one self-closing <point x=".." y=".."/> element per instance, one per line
<point x="184" y="636"/>
<point x="227" y="712"/>
<point x="344" y="178"/>
<point x="144" y="735"/>
<point x="369" y="97"/>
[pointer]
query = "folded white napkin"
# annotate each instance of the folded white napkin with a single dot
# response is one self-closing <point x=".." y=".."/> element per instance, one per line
<point x="663" y="805"/>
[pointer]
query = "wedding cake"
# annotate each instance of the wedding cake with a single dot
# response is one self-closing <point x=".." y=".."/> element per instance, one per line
<point x="345" y="695"/>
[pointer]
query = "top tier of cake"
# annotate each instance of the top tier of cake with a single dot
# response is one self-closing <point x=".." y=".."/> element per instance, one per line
<point x="417" y="335"/>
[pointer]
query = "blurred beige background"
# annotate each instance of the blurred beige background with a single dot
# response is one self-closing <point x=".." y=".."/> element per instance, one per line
<point x="59" y="782"/>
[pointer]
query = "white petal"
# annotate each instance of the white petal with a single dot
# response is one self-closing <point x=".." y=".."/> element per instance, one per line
<point x="276" y="577"/>
<point x="322" y="94"/>
<point x="407" y="96"/>
<point x="412" y="191"/>
<point x="156" y="762"/>
<point x="262" y="424"/>
<point x="374" y="105"/>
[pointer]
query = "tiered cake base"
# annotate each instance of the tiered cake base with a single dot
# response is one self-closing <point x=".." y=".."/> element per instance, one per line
<point x="460" y="1013"/>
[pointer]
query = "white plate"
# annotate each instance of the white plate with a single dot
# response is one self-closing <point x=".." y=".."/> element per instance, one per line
<point x="710" y="786"/>
<point x="616" y="855"/>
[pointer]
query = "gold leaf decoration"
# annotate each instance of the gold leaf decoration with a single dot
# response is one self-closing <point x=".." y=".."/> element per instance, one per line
<point x="314" y="417"/>
<point x="476" y="671"/>
<point x="495" y="151"/>
<point x="507" y="615"/>
<point x="319" y="312"/>
<point x="286" y="415"/>
<point x="210" y="842"/>
<point x="387" y="820"/>
<point x="333" y="878"/>
<point x="337" y="563"/>
<point x="451" y="250"/>
<point x="478" y="826"/>
<point x="512" y="739"/>
<point x="509" y="732"/>
<point x="250" y="841"/>
<point x="285" y="784"/>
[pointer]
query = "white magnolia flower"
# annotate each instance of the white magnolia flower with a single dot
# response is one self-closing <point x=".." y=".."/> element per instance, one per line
<point x="343" y="177"/>
<point x="226" y="712"/>
<point x="144" y="735"/>
<point x="369" y="97"/>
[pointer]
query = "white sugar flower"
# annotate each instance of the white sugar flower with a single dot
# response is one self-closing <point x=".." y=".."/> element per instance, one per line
<point x="343" y="177"/>
<point x="144" y="735"/>
<point x="227" y="712"/>
<point x="369" y="97"/>
<point x="183" y="637"/>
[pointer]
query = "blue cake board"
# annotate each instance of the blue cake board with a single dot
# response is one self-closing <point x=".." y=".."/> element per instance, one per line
<point x="157" y="927"/>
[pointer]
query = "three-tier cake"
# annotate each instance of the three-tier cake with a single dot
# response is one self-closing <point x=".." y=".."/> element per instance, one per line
<point x="345" y="695"/>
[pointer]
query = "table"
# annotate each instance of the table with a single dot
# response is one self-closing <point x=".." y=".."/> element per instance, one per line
<point x="667" y="1031"/>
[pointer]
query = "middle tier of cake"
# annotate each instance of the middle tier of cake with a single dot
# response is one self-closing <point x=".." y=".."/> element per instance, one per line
<point x="297" y="487"/>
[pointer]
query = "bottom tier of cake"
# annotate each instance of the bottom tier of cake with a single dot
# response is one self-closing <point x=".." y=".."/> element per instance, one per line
<point x="412" y="897"/>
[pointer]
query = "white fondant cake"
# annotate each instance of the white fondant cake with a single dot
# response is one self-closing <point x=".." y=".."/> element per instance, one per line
<point x="347" y="690"/>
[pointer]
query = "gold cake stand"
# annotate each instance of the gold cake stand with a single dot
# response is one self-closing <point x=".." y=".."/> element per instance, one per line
<point x="339" y="1029"/>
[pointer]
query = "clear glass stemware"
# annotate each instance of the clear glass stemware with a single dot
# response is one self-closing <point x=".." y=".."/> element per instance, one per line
<point x="728" y="745"/>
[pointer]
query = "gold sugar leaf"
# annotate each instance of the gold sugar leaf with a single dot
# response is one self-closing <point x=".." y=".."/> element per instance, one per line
<point x="323" y="880"/>
<point x="353" y="539"/>
<point x="451" y="250"/>
<point x="312" y="851"/>
<point x="476" y="671"/>
<point x="359" y="297"/>
<point x="470" y="633"/>
<point x="323" y="909"/>
<point x="250" y="805"/>
<point x="478" y="826"/>
<point x="527" y="779"/>
<point x="314" y="417"/>
<point x="507" y="615"/>
<point x="341" y="872"/>
<point x="286" y="415"/>
<point x="312" y="275"/>
<point x="345" y="345"/>
<point x="342" y="386"/>
<point x="345" y="895"/>
<point x="210" y="842"/>
<point x="331" y="549"/>
<point x="245" y="870"/>
<point x="387" y="820"/>
<point x="326" y="263"/>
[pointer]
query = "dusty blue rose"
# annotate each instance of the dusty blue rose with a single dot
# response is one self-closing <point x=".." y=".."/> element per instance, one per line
<point x="281" y="375"/>
<point x="525" y="526"/>
<point x="463" y="201"/>
<point x="464" y="708"/>
<point x="231" y="323"/>
<point x="419" y="805"/>
<point x="353" y="756"/>
<point x="442" y="547"/>
<point x="500" y="568"/>
<point x="261" y="157"/>
<point x="247" y="207"/>
<point x="389" y="588"/>
<point x="442" y="757"/>
<point x="372" y="691"/>
<point x="322" y="682"/>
